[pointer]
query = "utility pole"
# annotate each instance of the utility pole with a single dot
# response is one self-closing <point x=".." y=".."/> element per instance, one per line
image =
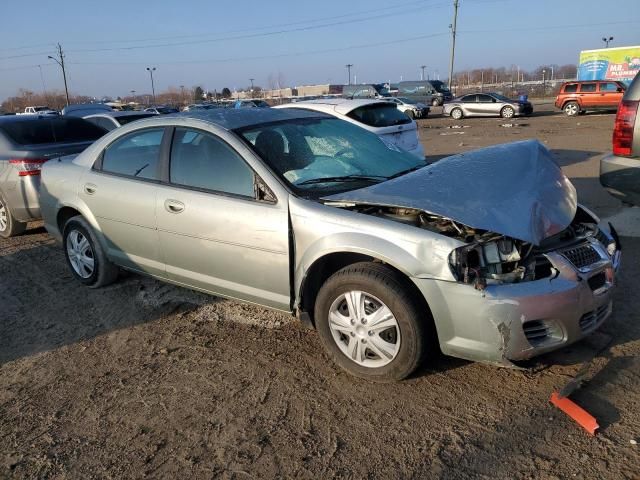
<point x="453" y="40"/>
<point x="60" y="61"/>
<point x="182" y="93"/>
<point x="423" y="67"/>
<point x="153" y="88"/>
<point x="133" y="95"/>
<point x="251" y="80"/>
<point x="349" y="65"/>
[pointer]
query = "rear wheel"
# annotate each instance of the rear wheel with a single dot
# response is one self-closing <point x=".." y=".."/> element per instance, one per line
<point x="456" y="114"/>
<point x="507" y="112"/>
<point x="435" y="102"/>
<point x="572" y="109"/>
<point x="85" y="255"/>
<point x="370" y="323"/>
<point x="9" y="226"/>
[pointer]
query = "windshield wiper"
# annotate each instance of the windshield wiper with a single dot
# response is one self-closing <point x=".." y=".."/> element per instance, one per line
<point x="408" y="170"/>
<point x="345" y="178"/>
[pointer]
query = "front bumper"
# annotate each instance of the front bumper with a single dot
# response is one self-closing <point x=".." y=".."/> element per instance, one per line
<point x="620" y="176"/>
<point x="517" y="321"/>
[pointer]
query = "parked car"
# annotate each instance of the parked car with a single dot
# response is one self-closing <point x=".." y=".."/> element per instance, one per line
<point x="412" y="108"/>
<point x="84" y="109"/>
<point x="26" y="143"/>
<point x="377" y="116"/>
<point x="372" y="90"/>
<point x="579" y="96"/>
<point x="115" y="119"/>
<point x="161" y="110"/>
<point x="620" y="171"/>
<point x="254" y="103"/>
<point x="431" y="92"/>
<point x="39" y="110"/>
<point x="486" y="105"/>
<point x="302" y="212"/>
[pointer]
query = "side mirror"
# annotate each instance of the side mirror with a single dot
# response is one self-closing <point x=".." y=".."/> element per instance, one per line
<point x="493" y="100"/>
<point x="619" y="89"/>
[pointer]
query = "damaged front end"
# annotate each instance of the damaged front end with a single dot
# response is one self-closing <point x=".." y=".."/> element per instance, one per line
<point x="533" y="270"/>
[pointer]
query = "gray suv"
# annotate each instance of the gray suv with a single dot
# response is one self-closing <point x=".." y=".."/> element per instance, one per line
<point x="26" y="143"/>
<point x="620" y="171"/>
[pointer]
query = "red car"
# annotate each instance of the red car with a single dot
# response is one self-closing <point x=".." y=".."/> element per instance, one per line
<point x="580" y="96"/>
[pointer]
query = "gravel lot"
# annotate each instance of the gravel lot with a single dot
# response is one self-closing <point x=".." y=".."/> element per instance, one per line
<point x="143" y="379"/>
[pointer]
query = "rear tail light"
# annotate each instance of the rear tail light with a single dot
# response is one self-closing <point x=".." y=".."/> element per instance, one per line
<point x="623" y="129"/>
<point x="28" y="166"/>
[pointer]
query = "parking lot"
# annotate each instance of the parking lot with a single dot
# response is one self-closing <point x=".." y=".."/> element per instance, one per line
<point x="143" y="379"/>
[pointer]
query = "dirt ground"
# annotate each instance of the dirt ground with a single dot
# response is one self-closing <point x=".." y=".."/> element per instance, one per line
<point x="142" y="379"/>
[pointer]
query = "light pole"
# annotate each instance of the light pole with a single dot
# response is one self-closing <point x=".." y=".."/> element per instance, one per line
<point x="251" y="80"/>
<point x="349" y="65"/>
<point x="544" y="83"/>
<point x="133" y="95"/>
<point x="153" y="88"/>
<point x="182" y="93"/>
<point x="64" y="72"/>
<point x="423" y="67"/>
<point x="606" y="41"/>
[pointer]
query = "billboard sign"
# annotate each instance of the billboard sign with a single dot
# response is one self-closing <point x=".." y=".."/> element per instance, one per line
<point x="620" y="63"/>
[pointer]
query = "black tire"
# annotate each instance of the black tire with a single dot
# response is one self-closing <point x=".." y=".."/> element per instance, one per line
<point x="417" y="333"/>
<point x="571" y="109"/>
<point x="409" y="113"/>
<point x="455" y="112"/>
<point x="104" y="272"/>
<point x="9" y="226"/>
<point x="507" y="112"/>
<point x="435" y="102"/>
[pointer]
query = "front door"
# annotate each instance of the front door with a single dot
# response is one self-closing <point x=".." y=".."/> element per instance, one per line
<point x="608" y="94"/>
<point x="215" y="233"/>
<point x="121" y="192"/>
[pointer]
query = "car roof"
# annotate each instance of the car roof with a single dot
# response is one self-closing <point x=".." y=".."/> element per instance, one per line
<point x="330" y="105"/>
<point x="28" y="118"/>
<point x="231" y="119"/>
<point x="116" y="114"/>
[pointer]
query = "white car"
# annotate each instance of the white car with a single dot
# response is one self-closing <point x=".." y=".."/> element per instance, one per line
<point x="377" y="116"/>
<point x="409" y="107"/>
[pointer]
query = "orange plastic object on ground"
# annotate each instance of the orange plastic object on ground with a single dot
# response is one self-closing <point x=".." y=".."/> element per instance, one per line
<point x="580" y="415"/>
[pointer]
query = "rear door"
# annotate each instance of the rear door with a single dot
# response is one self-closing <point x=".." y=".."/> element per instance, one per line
<point x="389" y="123"/>
<point x="216" y="234"/>
<point x="608" y="94"/>
<point x="588" y="95"/>
<point x="120" y="190"/>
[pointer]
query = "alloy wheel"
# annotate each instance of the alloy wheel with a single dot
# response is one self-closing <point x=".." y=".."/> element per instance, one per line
<point x="507" y="112"/>
<point x="364" y="329"/>
<point x="571" y="109"/>
<point x="4" y="220"/>
<point x="80" y="254"/>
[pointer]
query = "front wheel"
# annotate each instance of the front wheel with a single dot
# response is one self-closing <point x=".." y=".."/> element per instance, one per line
<point x="507" y="112"/>
<point x="85" y="256"/>
<point x="410" y="114"/>
<point x="572" y="109"/>
<point x="456" y="114"/>
<point x="9" y="226"/>
<point x="370" y="323"/>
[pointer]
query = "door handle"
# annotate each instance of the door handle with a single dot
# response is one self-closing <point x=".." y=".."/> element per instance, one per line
<point x="173" y="206"/>
<point x="89" y="188"/>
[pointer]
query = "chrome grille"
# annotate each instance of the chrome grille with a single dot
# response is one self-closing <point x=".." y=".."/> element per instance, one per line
<point x="591" y="319"/>
<point x="581" y="256"/>
<point x="536" y="332"/>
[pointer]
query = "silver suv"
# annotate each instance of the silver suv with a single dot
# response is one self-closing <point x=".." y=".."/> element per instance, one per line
<point x="387" y="257"/>
<point x="26" y="142"/>
<point x="620" y="171"/>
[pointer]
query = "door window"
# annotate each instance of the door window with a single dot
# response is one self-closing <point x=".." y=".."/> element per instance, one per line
<point x="609" y="87"/>
<point x="135" y="154"/>
<point x="203" y="161"/>
<point x="587" y="87"/>
<point x="469" y="99"/>
<point x="485" y="99"/>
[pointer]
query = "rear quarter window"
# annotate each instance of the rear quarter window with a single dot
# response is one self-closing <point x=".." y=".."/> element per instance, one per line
<point x="379" y="115"/>
<point x="571" y="88"/>
<point x="51" y="130"/>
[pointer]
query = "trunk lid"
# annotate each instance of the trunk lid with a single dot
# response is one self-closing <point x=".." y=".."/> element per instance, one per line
<point x="515" y="189"/>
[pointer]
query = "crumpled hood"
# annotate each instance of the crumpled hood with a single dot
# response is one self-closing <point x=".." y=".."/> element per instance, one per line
<point x="515" y="189"/>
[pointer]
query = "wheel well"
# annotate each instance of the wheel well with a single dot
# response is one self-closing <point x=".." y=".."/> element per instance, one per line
<point x="571" y="100"/>
<point x="64" y="215"/>
<point x="326" y="266"/>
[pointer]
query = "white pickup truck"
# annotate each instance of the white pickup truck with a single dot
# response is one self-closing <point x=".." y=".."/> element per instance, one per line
<point x="39" y="110"/>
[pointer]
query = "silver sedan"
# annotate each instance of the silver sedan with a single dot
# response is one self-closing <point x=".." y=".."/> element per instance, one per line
<point x="486" y="105"/>
<point x="390" y="259"/>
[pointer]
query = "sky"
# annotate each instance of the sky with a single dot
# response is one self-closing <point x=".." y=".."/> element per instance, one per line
<point x="109" y="44"/>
